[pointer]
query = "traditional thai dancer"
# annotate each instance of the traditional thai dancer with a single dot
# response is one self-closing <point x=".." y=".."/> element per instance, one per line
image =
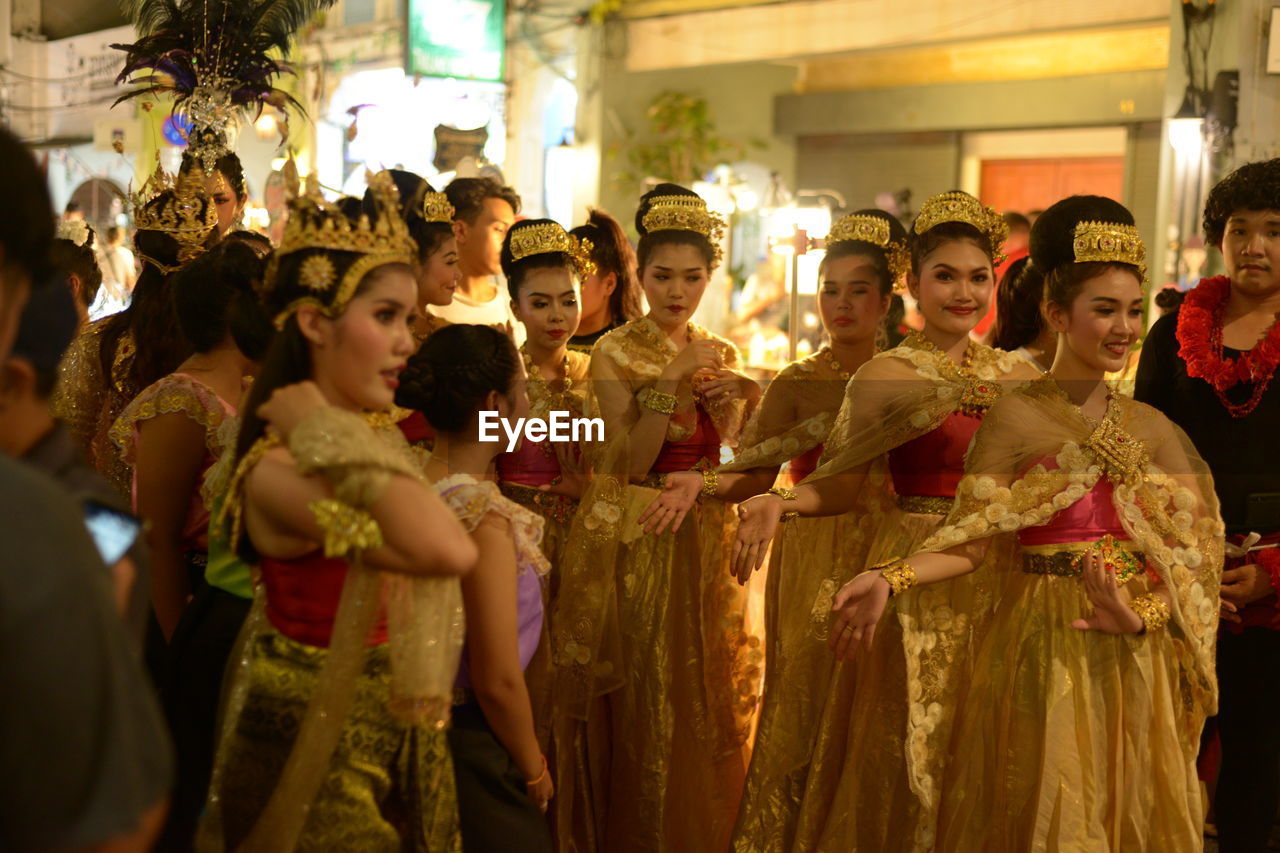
<point x="1092" y="524"/>
<point x="901" y="435"/>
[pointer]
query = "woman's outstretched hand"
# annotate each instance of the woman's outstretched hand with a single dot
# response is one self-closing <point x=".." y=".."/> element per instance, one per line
<point x="858" y="605"/>
<point x="1111" y="611"/>
<point x="757" y="522"/>
<point x="668" y="509"/>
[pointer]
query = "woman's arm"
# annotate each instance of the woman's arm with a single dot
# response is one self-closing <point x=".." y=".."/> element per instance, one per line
<point x="420" y="535"/>
<point x="493" y="650"/>
<point x="170" y="456"/>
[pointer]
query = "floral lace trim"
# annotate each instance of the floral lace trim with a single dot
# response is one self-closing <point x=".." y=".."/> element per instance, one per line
<point x="173" y="394"/>
<point x="471" y="500"/>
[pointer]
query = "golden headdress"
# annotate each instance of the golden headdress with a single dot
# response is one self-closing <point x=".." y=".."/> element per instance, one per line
<point x="185" y="213"/>
<point x="867" y="228"/>
<point x="329" y="276"/>
<point x="544" y="238"/>
<point x="436" y="208"/>
<point x="685" y="213"/>
<point x="1109" y="242"/>
<point x="962" y="207"/>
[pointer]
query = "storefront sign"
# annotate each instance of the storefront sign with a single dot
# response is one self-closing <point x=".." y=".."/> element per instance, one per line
<point x="457" y="38"/>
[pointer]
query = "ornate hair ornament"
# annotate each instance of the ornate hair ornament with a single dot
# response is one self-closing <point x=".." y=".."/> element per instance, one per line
<point x="316" y="226"/>
<point x="188" y="215"/>
<point x="76" y="230"/>
<point x="436" y="208"/>
<point x="686" y="213"/>
<point x="547" y="238"/>
<point x="865" y="228"/>
<point x="962" y="207"/>
<point x="1109" y="242"/>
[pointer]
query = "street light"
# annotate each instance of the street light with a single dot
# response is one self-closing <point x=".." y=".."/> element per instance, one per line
<point x="1186" y="127"/>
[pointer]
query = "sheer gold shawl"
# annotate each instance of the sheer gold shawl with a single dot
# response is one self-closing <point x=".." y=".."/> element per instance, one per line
<point x="586" y="647"/>
<point x="1033" y="456"/>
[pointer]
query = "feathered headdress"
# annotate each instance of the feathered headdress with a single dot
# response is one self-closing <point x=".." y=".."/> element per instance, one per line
<point x="214" y="58"/>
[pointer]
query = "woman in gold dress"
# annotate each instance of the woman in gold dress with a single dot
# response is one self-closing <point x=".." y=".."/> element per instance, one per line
<point x="654" y="624"/>
<point x="856" y="279"/>
<point x="901" y="435"/>
<point x="115" y="358"/>
<point x="333" y="734"/>
<point x="1078" y="722"/>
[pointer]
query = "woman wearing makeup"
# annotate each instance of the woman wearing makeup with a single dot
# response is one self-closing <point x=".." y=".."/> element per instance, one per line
<point x="857" y="275"/>
<point x="907" y="419"/>
<point x="655" y="624"/>
<point x="333" y="735"/>
<point x="1092" y="672"/>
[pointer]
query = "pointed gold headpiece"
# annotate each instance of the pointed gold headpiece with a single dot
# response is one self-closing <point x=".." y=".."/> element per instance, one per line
<point x="436" y="208"/>
<point x="548" y="238"/>
<point x="865" y="228"/>
<point x="314" y="224"/>
<point x="962" y="207"/>
<point x="686" y="213"/>
<point x="188" y="215"/>
<point x="1109" y="242"/>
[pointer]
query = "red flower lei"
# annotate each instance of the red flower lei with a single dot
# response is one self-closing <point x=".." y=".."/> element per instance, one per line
<point x="1200" y="346"/>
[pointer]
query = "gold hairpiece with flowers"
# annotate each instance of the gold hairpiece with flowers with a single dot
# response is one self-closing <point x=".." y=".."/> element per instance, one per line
<point x="686" y="213"/>
<point x="1109" y="242"/>
<point x="436" y="208"/>
<point x="313" y="224"/>
<point x="865" y="228"/>
<point x="962" y="207"/>
<point x="546" y="238"/>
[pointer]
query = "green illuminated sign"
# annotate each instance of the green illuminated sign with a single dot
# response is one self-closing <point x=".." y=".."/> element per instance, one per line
<point x="457" y="38"/>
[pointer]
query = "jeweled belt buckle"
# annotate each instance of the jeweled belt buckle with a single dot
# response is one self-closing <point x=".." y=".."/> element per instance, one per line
<point x="1114" y="558"/>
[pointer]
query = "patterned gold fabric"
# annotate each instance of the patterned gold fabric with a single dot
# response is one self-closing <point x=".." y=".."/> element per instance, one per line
<point x="795" y="415"/>
<point x="389" y="785"/>
<point x="1098" y="733"/>
<point x="898" y="396"/>
<point x="658" y="624"/>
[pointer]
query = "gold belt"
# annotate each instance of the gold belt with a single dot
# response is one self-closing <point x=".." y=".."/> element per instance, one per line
<point x="925" y="504"/>
<point x="1066" y="559"/>
<point x="554" y="506"/>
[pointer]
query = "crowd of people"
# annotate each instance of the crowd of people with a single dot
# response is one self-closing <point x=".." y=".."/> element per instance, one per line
<point x="265" y="585"/>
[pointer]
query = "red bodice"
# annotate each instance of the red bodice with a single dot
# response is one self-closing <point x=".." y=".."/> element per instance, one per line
<point x="531" y="464"/>
<point x="933" y="464"/>
<point x="416" y="429"/>
<point x="704" y="443"/>
<point x="805" y="464"/>
<point x="302" y="598"/>
<point x="1086" y="520"/>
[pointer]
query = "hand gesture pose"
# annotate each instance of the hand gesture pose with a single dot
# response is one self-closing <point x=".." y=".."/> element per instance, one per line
<point x="858" y="605"/>
<point x="757" y="522"/>
<point x="574" y="471"/>
<point x="291" y="405"/>
<point x="725" y="384"/>
<point x="669" y="508"/>
<point x="697" y="355"/>
<point x="1111" y="611"/>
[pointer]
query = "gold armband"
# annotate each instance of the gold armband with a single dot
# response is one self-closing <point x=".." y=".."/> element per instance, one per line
<point x="899" y="575"/>
<point x="346" y="528"/>
<point x="710" y="481"/>
<point x="1152" y="610"/>
<point x="787" y="495"/>
<point x="657" y="401"/>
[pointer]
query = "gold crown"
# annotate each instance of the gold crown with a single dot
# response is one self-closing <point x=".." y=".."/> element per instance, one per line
<point x="962" y="207"/>
<point x="861" y="227"/>
<point x="685" y="213"/>
<point x="189" y="216"/>
<point x="436" y="208"/>
<point x="546" y="238"/>
<point x="1109" y="242"/>
<point x="313" y="224"/>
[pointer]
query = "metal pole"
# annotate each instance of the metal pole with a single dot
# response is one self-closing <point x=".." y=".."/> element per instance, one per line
<point x="799" y="245"/>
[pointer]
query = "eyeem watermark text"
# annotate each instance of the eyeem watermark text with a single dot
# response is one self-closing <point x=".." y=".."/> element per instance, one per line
<point x="559" y="426"/>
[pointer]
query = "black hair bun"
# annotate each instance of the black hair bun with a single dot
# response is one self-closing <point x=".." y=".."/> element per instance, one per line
<point x="1053" y="234"/>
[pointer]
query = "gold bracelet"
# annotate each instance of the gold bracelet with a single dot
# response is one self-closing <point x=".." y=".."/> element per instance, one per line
<point x="710" y="480"/>
<point x="899" y="575"/>
<point x="1152" y="610"/>
<point x="533" y="783"/>
<point x="787" y="495"/>
<point x="346" y="528"/>
<point x="658" y="401"/>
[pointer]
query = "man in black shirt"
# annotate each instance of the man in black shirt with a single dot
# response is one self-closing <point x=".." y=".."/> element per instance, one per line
<point x="1209" y="367"/>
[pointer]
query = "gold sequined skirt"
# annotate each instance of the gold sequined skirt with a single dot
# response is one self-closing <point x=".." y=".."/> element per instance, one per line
<point x="390" y="785"/>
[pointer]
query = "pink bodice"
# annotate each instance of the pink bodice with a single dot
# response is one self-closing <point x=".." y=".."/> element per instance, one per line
<point x="704" y="443"/>
<point x="531" y="464"/>
<point x="933" y="464"/>
<point x="1086" y="520"/>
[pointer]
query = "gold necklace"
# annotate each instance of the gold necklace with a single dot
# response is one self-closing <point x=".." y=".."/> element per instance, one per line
<point x="834" y="363"/>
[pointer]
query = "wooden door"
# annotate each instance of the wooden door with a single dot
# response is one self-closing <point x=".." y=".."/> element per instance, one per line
<point x="1034" y="184"/>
